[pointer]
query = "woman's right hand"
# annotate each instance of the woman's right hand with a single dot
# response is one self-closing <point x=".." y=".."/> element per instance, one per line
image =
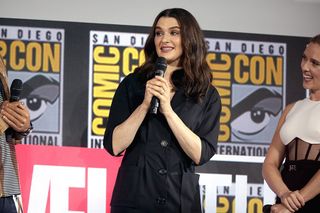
<point x="147" y="95"/>
<point x="292" y="200"/>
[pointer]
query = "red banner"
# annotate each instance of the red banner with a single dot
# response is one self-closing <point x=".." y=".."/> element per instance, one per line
<point x="66" y="179"/>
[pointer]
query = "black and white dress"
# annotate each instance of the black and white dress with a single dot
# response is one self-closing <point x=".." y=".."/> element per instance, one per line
<point x="301" y="135"/>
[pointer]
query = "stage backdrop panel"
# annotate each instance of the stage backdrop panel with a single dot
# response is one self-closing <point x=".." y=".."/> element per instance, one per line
<point x="71" y="71"/>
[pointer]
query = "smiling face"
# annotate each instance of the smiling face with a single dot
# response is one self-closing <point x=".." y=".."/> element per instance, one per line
<point x="167" y="40"/>
<point x="310" y="66"/>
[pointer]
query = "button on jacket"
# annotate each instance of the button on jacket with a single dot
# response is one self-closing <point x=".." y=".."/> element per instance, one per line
<point x="156" y="175"/>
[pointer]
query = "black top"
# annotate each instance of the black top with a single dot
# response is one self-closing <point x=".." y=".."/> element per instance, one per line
<point x="156" y="175"/>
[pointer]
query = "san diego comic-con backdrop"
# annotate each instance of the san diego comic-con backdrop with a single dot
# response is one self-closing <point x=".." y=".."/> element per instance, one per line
<point x="71" y="71"/>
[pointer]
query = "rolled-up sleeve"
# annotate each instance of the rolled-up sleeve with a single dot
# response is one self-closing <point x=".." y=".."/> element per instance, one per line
<point x="119" y="112"/>
<point x="208" y="130"/>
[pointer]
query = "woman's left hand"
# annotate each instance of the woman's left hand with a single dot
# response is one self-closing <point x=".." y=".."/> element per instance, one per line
<point x="16" y="115"/>
<point x="279" y="208"/>
<point x="160" y="88"/>
<point x="293" y="200"/>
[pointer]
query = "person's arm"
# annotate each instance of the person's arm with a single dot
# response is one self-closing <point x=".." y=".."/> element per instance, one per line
<point x="123" y="124"/>
<point x="189" y="141"/>
<point x="198" y="146"/>
<point x="125" y="132"/>
<point x="16" y="115"/>
<point x="309" y="191"/>
<point x="270" y="169"/>
<point x="312" y="188"/>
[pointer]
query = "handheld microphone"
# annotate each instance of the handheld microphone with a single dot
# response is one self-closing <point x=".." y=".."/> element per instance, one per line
<point x="15" y="91"/>
<point x="161" y="66"/>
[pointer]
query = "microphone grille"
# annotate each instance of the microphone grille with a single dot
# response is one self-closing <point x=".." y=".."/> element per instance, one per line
<point x="15" y="89"/>
<point x="161" y="63"/>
